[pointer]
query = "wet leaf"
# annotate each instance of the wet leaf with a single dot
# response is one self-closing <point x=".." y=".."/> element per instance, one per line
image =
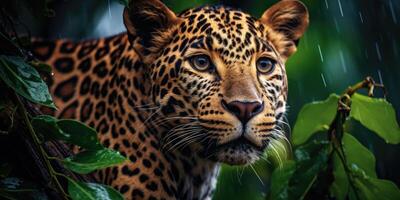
<point x="378" y="115"/>
<point x="311" y="158"/>
<point x="280" y="181"/>
<point x="24" y="80"/>
<point x="48" y="127"/>
<point x="372" y="188"/>
<point x="357" y="154"/>
<point x="71" y="131"/>
<point x="91" y="191"/>
<point x="88" y="161"/>
<point x="80" y="134"/>
<point x="314" y="117"/>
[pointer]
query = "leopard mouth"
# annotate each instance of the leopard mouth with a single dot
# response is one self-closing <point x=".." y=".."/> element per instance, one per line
<point x="239" y="151"/>
<point x="239" y="143"/>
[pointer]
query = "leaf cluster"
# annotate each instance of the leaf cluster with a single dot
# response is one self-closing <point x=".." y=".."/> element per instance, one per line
<point x="337" y="165"/>
<point x="21" y="77"/>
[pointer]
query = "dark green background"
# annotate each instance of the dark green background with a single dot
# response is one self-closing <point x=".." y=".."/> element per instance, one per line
<point x="347" y="40"/>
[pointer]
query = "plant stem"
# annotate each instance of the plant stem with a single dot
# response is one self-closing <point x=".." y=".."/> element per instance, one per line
<point x="336" y="130"/>
<point x="37" y="143"/>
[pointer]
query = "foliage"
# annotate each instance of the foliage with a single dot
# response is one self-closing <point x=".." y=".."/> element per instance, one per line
<point x="22" y="78"/>
<point x="337" y="165"/>
<point x="92" y="191"/>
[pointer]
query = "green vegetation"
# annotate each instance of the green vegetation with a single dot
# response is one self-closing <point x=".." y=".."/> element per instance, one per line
<point x="328" y="160"/>
<point x="23" y="79"/>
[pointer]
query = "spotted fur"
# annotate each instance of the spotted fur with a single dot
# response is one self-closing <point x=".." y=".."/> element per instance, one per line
<point x="141" y="93"/>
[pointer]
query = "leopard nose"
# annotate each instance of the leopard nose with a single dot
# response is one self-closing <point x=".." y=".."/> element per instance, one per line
<point x="244" y="111"/>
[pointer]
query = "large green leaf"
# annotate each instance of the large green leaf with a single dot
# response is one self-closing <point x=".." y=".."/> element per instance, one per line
<point x="24" y="80"/>
<point x="88" y="161"/>
<point x="80" y="134"/>
<point x="311" y="158"/>
<point x="71" y="131"/>
<point x="369" y="188"/>
<point x="91" y="191"/>
<point x="377" y="115"/>
<point x="355" y="153"/>
<point x="280" y="181"/>
<point x="314" y="117"/>
<point x="48" y="127"/>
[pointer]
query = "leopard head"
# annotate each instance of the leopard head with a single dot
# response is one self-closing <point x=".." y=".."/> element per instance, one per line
<point x="217" y="74"/>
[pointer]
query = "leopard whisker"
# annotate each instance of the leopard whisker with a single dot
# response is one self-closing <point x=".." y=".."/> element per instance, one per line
<point x="181" y="136"/>
<point x="178" y="129"/>
<point x="186" y="141"/>
<point x="255" y="172"/>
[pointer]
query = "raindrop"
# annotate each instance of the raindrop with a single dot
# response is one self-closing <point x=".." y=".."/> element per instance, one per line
<point x="380" y="77"/>
<point x="326" y="4"/>
<point x="323" y="79"/>
<point x="109" y="9"/>
<point x="378" y="51"/>
<point x="340" y="7"/>
<point x="320" y="53"/>
<point x="342" y="61"/>
<point x="336" y="25"/>
<point x="361" y="17"/>
<point x="392" y="11"/>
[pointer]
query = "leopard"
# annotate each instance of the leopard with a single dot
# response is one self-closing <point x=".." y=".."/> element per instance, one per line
<point x="178" y="94"/>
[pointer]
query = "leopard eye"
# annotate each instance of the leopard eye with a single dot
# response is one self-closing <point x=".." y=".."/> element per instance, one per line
<point x="201" y="62"/>
<point x="265" y="65"/>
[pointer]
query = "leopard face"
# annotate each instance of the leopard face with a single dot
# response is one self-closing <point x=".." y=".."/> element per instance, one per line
<point x="217" y="74"/>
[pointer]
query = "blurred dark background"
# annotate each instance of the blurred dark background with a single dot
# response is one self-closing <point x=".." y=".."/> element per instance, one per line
<point x="347" y="40"/>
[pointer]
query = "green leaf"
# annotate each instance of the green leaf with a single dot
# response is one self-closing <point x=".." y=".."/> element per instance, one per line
<point x="24" y="80"/>
<point x="340" y="185"/>
<point x="71" y="131"/>
<point x="280" y="181"/>
<point x="91" y="191"/>
<point x="378" y="115"/>
<point x="80" y="134"/>
<point x="314" y="117"/>
<point x="357" y="154"/>
<point x="88" y="161"/>
<point x="47" y="126"/>
<point x="372" y="188"/>
<point x="311" y="158"/>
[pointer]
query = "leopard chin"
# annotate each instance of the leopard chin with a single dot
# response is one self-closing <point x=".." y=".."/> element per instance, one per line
<point x="238" y="155"/>
<point x="237" y="152"/>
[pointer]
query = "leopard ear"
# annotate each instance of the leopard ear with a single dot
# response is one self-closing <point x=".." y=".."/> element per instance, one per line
<point x="288" y="19"/>
<point x="146" y="22"/>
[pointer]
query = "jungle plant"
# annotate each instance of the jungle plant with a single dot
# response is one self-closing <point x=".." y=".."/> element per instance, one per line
<point x="22" y="86"/>
<point x="329" y="162"/>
